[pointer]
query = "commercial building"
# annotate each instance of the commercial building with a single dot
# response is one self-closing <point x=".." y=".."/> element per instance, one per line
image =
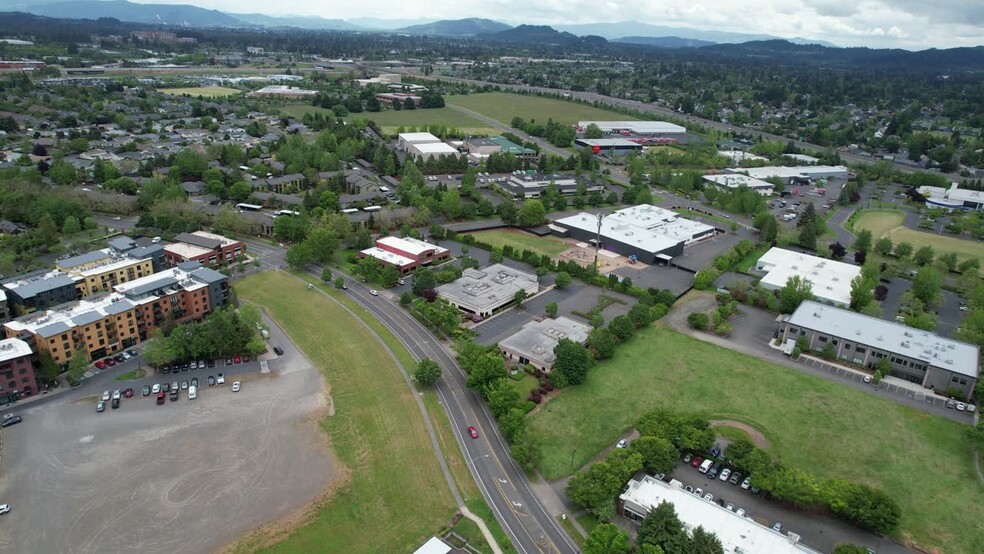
<point x="483" y="291"/>
<point x="803" y="158"/>
<point x="17" y="376"/>
<point x="405" y="140"/>
<point x="831" y="279"/>
<point x="383" y="79"/>
<point x="405" y="254"/>
<point x="739" y="156"/>
<point x="733" y="181"/>
<point x="651" y="234"/>
<point x="481" y="148"/>
<point x="401" y="98"/>
<point x="101" y="270"/>
<point x="108" y="323"/>
<point x="430" y="150"/>
<point x="39" y="290"/>
<point x="534" y="344"/>
<point x="636" y="127"/>
<point x="795" y="174"/>
<point x="914" y="355"/>
<point x="534" y="185"/>
<point x="205" y="248"/>
<point x="284" y="92"/>
<point x="738" y="534"/>
<point x="953" y="198"/>
<point x="609" y="146"/>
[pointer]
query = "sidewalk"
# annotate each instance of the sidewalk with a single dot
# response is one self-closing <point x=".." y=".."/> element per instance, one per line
<point x="553" y="503"/>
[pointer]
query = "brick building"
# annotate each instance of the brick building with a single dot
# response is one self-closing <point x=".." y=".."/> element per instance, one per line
<point x="406" y="254"/>
<point x="17" y="377"/>
<point x="206" y="248"/>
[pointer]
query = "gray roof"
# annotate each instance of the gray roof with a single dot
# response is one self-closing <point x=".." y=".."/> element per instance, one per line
<point x="87" y="318"/>
<point x="487" y="287"/>
<point x="121" y="243"/>
<point x="81" y="259"/>
<point x="937" y="351"/>
<point x="119" y="307"/>
<point x="142" y="252"/>
<point x="54" y="329"/>
<point x="285" y="179"/>
<point x="208" y="275"/>
<point x="152" y="286"/>
<point x="37" y="286"/>
<point x="539" y="338"/>
<point x="204" y="242"/>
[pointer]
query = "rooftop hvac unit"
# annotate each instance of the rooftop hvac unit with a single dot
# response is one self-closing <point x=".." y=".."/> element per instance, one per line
<point x="949" y="361"/>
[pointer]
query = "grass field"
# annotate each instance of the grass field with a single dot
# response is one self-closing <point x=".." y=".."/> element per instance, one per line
<point x="888" y="223"/>
<point x="503" y="106"/>
<point x="207" y="92"/>
<point x="390" y="120"/>
<point x="394" y="494"/>
<point x="551" y="246"/>
<point x="831" y="430"/>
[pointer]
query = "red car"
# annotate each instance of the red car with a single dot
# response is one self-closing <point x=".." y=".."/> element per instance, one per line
<point x="110" y="362"/>
<point x="473" y="432"/>
<point x="236" y="359"/>
<point x="696" y="461"/>
<point x="128" y="393"/>
<point x="160" y="398"/>
<point x="100" y="364"/>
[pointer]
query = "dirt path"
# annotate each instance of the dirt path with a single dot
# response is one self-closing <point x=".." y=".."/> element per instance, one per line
<point x="756" y="436"/>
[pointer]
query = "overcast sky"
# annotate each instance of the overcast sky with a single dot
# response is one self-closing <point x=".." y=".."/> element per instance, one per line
<point x="911" y="24"/>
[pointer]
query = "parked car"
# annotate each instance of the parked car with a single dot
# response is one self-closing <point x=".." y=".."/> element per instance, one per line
<point x="184" y="385"/>
<point x="699" y="491"/>
<point x="716" y="451"/>
<point x="689" y="489"/>
<point x="374" y="292"/>
<point x="725" y="473"/>
<point x="160" y="398"/>
<point x="174" y="395"/>
<point x="175" y="385"/>
<point x="100" y="364"/>
<point x="145" y="391"/>
<point x="126" y="355"/>
<point x="621" y="443"/>
<point x="119" y="358"/>
<point x="746" y="483"/>
<point x="211" y="381"/>
<point x="210" y="363"/>
<point x="236" y="359"/>
<point x="220" y="380"/>
<point x="730" y="507"/>
<point x="755" y="490"/>
<point x="185" y="366"/>
<point x="777" y="527"/>
<point x="4" y="508"/>
<point x="101" y="406"/>
<point x="132" y="352"/>
<point x="155" y="389"/>
<point x="735" y="478"/>
<point x="192" y="393"/>
<point x="194" y="365"/>
<point x="278" y="351"/>
<point x="166" y="387"/>
<point x="235" y="386"/>
<point x="228" y="361"/>
<point x="713" y="472"/>
<point x="961" y="406"/>
<point x="117" y="394"/>
<point x="696" y="461"/>
<point x="194" y="381"/>
<point x="105" y="396"/>
<point x="709" y="497"/>
<point x="116" y="403"/>
<point x="740" y="512"/>
<point x="165" y="369"/>
<point x="472" y="432"/>
<point x="12" y="420"/>
<point x="110" y="362"/>
<point x="687" y="457"/>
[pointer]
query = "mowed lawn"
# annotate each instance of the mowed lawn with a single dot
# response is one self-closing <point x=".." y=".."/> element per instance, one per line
<point x="395" y="495"/>
<point x="551" y="246"/>
<point x="207" y="92"/>
<point x="503" y="106"/>
<point x="389" y="120"/>
<point x="889" y="223"/>
<point x="831" y="430"/>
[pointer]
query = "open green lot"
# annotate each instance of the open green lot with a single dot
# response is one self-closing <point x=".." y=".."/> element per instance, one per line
<point x="551" y="246"/>
<point x="831" y="430"/>
<point x="207" y="92"/>
<point x="389" y="120"/>
<point x="393" y="493"/>
<point x="503" y="106"/>
<point x="889" y="223"/>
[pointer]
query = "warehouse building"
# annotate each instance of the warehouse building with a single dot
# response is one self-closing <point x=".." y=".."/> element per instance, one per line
<point x="609" y="146"/>
<point x="733" y="181"/>
<point x="795" y="174"/>
<point x="651" y="234"/>
<point x="739" y="156"/>
<point x="661" y="128"/>
<point x="401" y="98"/>
<point x="405" y="140"/>
<point x="831" y="279"/>
<point x="738" y="534"/>
<point x="917" y="356"/>
<point x="283" y="92"/>
<point x="953" y="198"/>
<point x="484" y="291"/>
<point x="534" y="344"/>
<point x="405" y="254"/>
<point x="534" y="185"/>
<point x="432" y="150"/>
<point x="480" y="148"/>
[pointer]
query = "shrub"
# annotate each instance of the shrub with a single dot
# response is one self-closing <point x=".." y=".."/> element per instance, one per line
<point x="699" y="321"/>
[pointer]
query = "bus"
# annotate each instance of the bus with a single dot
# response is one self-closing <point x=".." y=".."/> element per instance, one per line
<point x="372" y="209"/>
<point x="279" y="213"/>
<point x="248" y="207"/>
<point x="350" y="210"/>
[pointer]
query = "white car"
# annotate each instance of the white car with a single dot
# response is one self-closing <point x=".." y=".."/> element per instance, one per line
<point x="709" y="497"/>
<point x="725" y="473"/>
<point x="117" y="394"/>
<point x="220" y="380"/>
<point x="746" y="483"/>
<point x="235" y="386"/>
<point x="156" y="388"/>
<point x="961" y="406"/>
<point x="374" y="292"/>
<point x="193" y="364"/>
<point x="622" y="444"/>
<point x="741" y="512"/>
<point x="192" y="393"/>
<point x="699" y="492"/>
<point x="126" y="356"/>
<point x="105" y="395"/>
<point x="4" y="508"/>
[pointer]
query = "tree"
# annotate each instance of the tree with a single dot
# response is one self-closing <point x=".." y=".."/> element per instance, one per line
<point x="658" y="454"/>
<point x="487" y="367"/>
<point x="602" y="343"/>
<point x="607" y="538"/>
<point x="562" y="280"/>
<point x="532" y="213"/>
<point x="501" y="396"/>
<point x="427" y="372"/>
<point x="699" y="321"/>
<point x="596" y="488"/>
<point x="769" y="230"/>
<point x="704" y="542"/>
<point x="662" y="527"/>
<point x="519" y="297"/>
<point x="551" y="309"/>
<point x="299" y="255"/>
<point x="849" y="549"/>
<point x="926" y="285"/>
<point x="340" y="283"/>
<point x="924" y="256"/>
<point x="808" y="236"/>
<point x="423" y="280"/>
<point x="326" y="274"/>
<point x="903" y="250"/>
<point x="969" y="266"/>
<point x="593" y="132"/>
<point x="797" y="290"/>
<point x="639" y="315"/>
<point x="451" y="204"/>
<point x="240" y="190"/>
<point x="862" y="292"/>
<point x="49" y="369"/>
<point x="527" y="450"/>
<point x="508" y="212"/>
<point x="883" y="246"/>
<point x="862" y="241"/>
<point x="367" y="268"/>
<point x="948" y="260"/>
<point x="572" y="360"/>
<point x="71" y="225"/>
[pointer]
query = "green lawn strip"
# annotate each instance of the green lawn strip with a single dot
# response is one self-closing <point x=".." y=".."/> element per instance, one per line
<point x="395" y="495"/>
<point x="138" y="373"/>
<point x="942" y="244"/>
<point x="748" y="262"/>
<point x="828" y="429"/>
<point x="878" y="222"/>
<point x="572" y="531"/>
<point x="551" y="246"/>
<point x="470" y="531"/>
<point x="503" y="106"/>
<point x="207" y="92"/>
<point x="731" y="433"/>
<point x="480" y="508"/>
<point x="587" y="521"/>
<point x="524" y="386"/>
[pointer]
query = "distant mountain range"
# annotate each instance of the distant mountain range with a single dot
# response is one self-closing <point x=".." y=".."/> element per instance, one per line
<point x="612" y="31"/>
<point x="457" y="28"/>
<point x="665" y="42"/>
<point x="170" y="14"/>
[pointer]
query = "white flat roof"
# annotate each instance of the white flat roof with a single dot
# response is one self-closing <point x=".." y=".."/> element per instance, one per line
<point x="387" y="256"/>
<point x="661" y="221"/>
<point x="803" y="158"/>
<point x="224" y="240"/>
<point x="738" y="534"/>
<point x="809" y="171"/>
<point x="433" y="545"/>
<point x="13" y="348"/>
<point x="434" y="148"/>
<point x="619" y="231"/>
<point x="410" y="245"/>
<point x="610" y="142"/>
<point x="952" y="196"/>
<point x="50" y="323"/>
<point x="187" y="251"/>
<point x="740" y="156"/>
<point x="418" y="137"/>
<point x="831" y="279"/>
<point x="958" y="357"/>
<point x="733" y="181"/>
<point x="635" y="126"/>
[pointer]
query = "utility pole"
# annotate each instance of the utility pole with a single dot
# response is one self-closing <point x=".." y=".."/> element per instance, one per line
<point x="598" y="240"/>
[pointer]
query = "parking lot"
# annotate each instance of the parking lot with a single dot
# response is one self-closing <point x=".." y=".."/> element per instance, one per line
<point x="186" y="476"/>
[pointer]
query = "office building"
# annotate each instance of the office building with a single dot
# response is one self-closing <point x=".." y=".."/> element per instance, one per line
<point x="405" y="254"/>
<point x="831" y="280"/>
<point x="534" y="344"/>
<point x="485" y="291"/>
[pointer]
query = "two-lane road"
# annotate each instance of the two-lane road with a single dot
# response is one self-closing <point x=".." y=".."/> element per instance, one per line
<point x="500" y="479"/>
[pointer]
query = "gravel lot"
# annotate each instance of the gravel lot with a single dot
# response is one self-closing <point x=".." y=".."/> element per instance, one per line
<point x="188" y="476"/>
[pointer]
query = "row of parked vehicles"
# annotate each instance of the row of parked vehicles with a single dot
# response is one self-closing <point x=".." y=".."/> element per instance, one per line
<point x="178" y="367"/>
<point x="720" y="471"/>
<point x="111" y="361"/>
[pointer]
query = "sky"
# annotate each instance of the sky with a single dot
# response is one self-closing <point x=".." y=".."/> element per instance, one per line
<point x="909" y="24"/>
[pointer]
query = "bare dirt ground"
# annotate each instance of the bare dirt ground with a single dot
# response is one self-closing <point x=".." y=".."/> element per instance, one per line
<point x="756" y="436"/>
<point x="189" y="476"/>
<point x="584" y="256"/>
